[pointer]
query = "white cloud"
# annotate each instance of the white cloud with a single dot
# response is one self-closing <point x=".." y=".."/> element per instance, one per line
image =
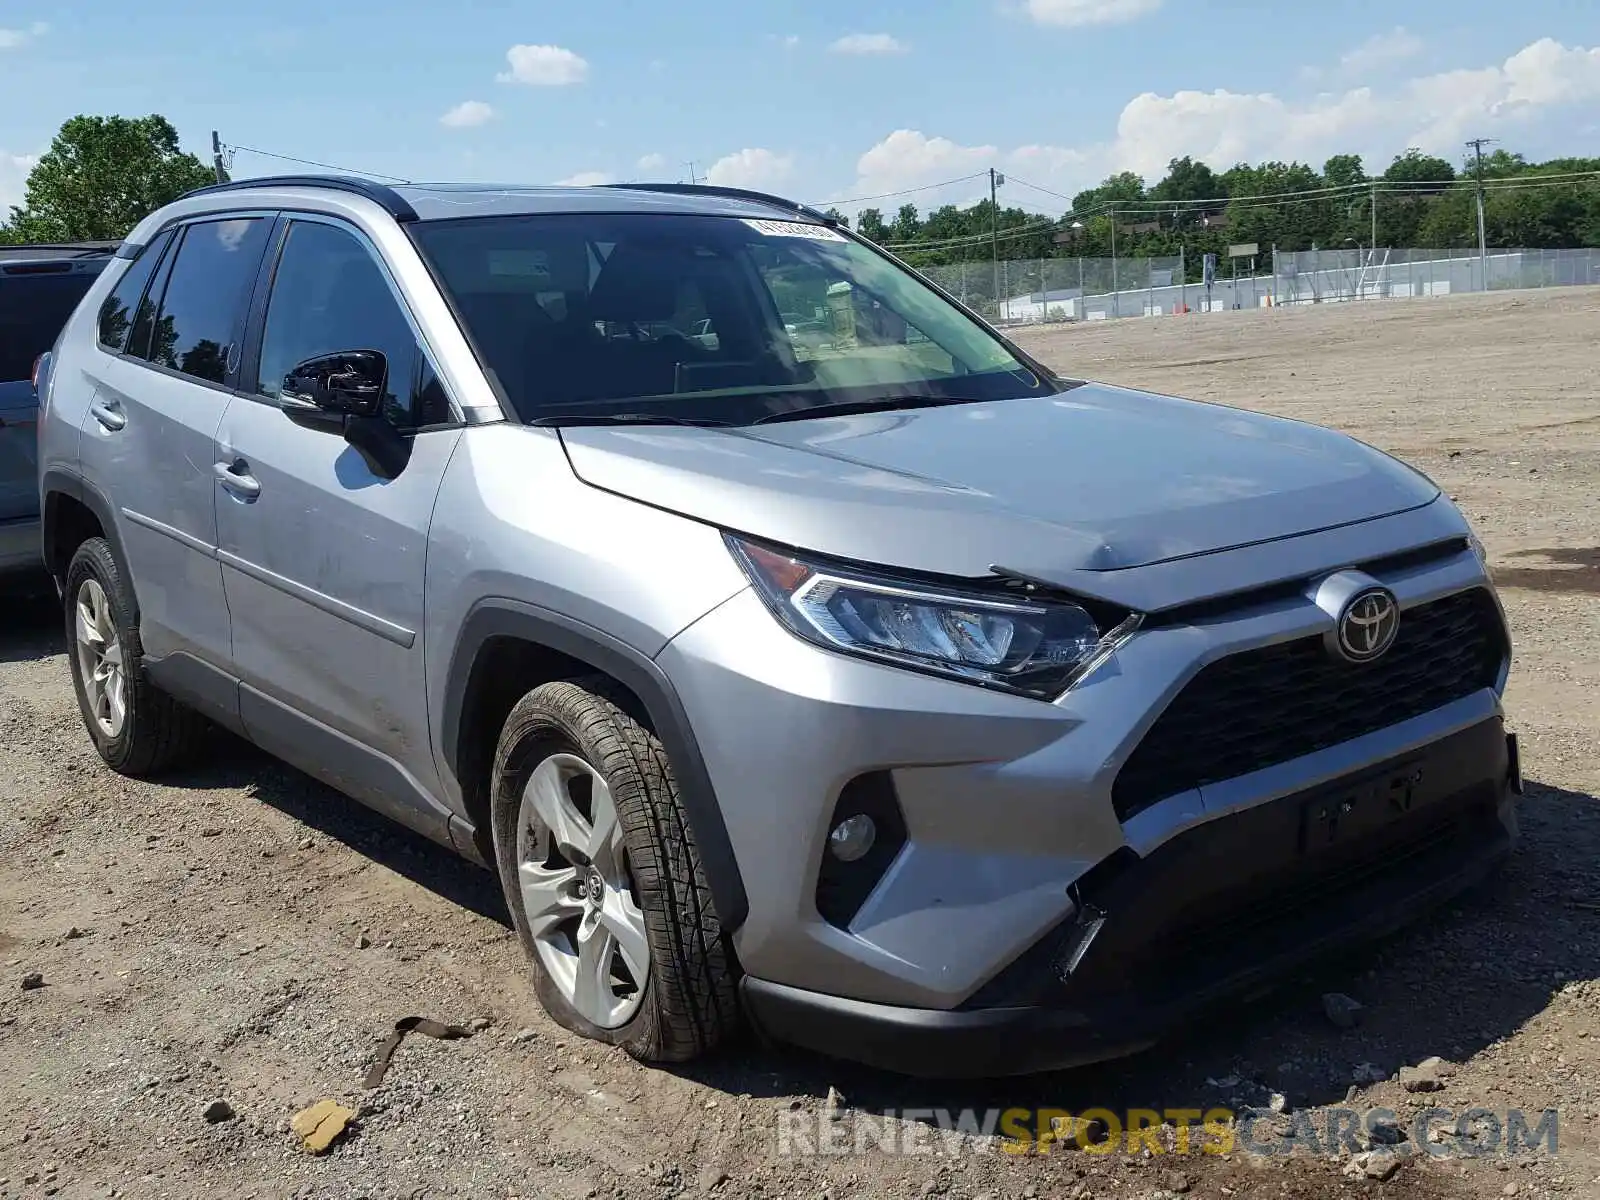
<point x="1547" y="72"/>
<point x="869" y="44"/>
<point x="467" y="114"/>
<point x="1383" y="50"/>
<point x="10" y="39"/>
<point x="1073" y="13"/>
<point x="544" y="66"/>
<point x="791" y="41"/>
<point x="14" y="170"/>
<point x="908" y="158"/>
<point x="1433" y="112"/>
<point x="1220" y="127"/>
<point x="751" y="168"/>
<point x="651" y="163"/>
<point x="586" y="179"/>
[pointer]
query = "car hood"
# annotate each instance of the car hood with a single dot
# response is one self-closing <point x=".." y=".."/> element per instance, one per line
<point x="1095" y="478"/>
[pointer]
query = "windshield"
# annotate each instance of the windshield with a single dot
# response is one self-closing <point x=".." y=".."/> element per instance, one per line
<point x="705" y="318"/>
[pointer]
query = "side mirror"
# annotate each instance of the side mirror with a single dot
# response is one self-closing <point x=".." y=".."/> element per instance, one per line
<point x="343" y="393"/>
<point x="330" y="387"/>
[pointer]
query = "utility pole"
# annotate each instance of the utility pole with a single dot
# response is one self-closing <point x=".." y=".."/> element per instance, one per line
<point x="1477" y="145"/>
<point x="1116" y="296"/>
<point x="216" y="158"/>
<point x="692" y="180"/>
<point x="1374" y="219"/>
<point x="995" y="180"/>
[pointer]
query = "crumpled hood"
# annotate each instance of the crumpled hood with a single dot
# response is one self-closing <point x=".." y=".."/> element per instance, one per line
<point x="1096" y="478"/>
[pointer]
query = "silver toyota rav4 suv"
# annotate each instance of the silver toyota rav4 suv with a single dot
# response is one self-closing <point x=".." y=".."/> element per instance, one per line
<point x="801" y="654"/>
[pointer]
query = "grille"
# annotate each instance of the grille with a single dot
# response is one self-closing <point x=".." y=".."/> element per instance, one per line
<point x="1264" y="707"/>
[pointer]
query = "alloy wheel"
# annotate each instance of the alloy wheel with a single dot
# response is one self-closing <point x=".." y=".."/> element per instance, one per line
<point x="578" y="892"/>
<point x="100" y="663"/>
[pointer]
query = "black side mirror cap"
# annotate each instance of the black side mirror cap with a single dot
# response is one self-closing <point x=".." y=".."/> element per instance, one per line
<point x="349" y="383"/>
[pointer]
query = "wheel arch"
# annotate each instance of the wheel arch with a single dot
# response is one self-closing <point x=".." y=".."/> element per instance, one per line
<point x="66" y="501"/>
<point x="550" y="646"/>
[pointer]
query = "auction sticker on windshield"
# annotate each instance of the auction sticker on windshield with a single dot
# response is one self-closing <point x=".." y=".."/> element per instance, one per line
<point x="799" y="229"/>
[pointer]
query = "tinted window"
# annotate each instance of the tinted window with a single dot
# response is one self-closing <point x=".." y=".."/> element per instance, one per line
<point x="330" y="295"/>
<point x="144" y="317"/>
<point x="704" y="317"/>
<point x="203" y="303"/>
<point x="33" y="309"/>
<point x="117" y="309"/>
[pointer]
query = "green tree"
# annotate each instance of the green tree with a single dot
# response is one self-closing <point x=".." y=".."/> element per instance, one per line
<point x="101" y="176"/>
<point x="1123" y="186"/>
<point x="1416" y="167"/>
<point x="1343" y="170"/>
<point x="869" y="224"/>
<point x="1188" y="180"/>
<point x="1401" y="218"/>
<point x="907" y="225"/>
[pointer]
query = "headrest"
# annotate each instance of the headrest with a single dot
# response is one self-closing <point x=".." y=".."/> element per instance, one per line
<point x="641" y="281"/>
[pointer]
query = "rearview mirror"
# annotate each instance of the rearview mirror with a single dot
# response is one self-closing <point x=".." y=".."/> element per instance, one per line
<point x="350" y="383"/>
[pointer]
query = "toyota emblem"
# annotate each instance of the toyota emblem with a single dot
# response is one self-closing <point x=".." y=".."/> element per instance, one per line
<point x="1367" y="625"/>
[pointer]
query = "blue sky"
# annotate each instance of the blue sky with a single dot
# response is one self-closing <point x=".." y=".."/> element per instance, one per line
<point x="823" y="100"/>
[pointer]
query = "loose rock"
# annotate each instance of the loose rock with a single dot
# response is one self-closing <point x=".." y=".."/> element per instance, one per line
<point x="835" y="1105"/>
<point x="320" y="1125"/>
<point x="1374" y="1164"/>
<point x="1342" y="1010"/>
<point x="32" y="981"/>
<point x="711" y="1178"/>
<point x="217" y="1112"/>
<point x="1423" y="1078"/>
<point x="1366" y="1073"/>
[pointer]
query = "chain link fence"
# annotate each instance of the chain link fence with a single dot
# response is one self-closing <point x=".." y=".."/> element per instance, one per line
<point x="1332" y="276"/>
<point x="1035" y="291"/>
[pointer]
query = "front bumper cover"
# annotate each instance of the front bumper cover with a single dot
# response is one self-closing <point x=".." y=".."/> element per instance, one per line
<point x="1218" y="913"/>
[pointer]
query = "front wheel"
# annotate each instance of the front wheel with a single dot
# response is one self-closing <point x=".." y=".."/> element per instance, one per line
<point x="603" y="880"/>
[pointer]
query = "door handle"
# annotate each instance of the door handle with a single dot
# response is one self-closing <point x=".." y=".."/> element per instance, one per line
<point x="111" y="418"/>
<point x="235" y="477"/>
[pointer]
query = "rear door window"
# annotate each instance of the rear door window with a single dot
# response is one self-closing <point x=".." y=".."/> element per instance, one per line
<point x="117" y="309"/>
<point x="202" y="306"/>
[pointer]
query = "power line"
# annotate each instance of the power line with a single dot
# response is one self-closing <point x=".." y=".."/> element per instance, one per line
<point x="311" y="162"/>
<point x="976" y="238"/>
<point x="927" y="187"/>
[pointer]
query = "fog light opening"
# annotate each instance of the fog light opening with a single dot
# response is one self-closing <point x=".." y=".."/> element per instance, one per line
<point x="852" y="838"/>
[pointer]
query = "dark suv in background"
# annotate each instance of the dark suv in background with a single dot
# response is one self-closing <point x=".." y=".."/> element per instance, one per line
<point x="39" y="288"/>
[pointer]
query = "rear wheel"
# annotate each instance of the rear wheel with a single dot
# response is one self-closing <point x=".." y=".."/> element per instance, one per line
<point x="603" y="880"/>
<point x="136" y="728"/>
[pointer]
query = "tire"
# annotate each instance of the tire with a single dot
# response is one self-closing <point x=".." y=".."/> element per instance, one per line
<point x="687" y="1004"/>
<point x="153" y="731"/>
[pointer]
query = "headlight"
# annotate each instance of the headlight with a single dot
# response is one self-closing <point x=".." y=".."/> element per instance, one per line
<point x="1036" y="647"/>
<point x="1482" y="552"/>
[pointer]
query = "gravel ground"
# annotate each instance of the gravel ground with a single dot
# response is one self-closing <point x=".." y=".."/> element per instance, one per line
<point x="238" y="933"/>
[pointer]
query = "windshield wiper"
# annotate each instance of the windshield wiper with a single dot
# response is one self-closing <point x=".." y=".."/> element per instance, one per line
<point x="559" y="420"/>
<point x="840" y="408"/>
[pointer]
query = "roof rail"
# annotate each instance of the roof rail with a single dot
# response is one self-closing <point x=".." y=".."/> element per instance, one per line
<point x="381" y="194"/>
<point x="83" y="248"/>
<point x="732" y="193"/>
